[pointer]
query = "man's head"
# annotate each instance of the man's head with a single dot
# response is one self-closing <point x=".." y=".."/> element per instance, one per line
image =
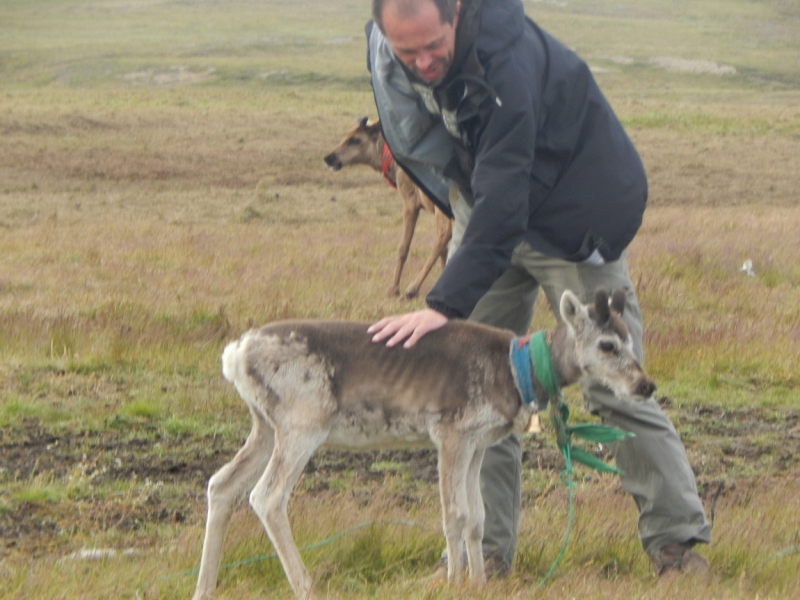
<point x="421" y="33"/>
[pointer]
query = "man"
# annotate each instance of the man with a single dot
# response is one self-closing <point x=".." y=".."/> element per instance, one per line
<point x="473" y="95"/>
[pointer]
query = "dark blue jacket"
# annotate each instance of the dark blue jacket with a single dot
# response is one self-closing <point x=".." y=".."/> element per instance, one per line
<point x="541" y="155"/>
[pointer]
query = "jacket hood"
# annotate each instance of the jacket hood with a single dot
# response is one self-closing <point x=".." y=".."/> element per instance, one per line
<point x="492" y="24"/>
<point x="469" y="22"/>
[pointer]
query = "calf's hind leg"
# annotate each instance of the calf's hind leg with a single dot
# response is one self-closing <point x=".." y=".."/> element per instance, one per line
<point x="270" y="499"/>
<point x="227" y="488"/>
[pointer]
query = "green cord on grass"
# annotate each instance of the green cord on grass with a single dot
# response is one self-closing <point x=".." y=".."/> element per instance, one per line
<point x="264" y="557"/>
<point x="559" y="414"/>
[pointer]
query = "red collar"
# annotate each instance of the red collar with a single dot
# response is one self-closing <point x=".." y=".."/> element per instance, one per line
<point x="386" y="162"/>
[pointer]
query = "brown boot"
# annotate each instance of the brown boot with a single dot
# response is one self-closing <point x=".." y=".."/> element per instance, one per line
<point x="496" y="568"/>
<point x="678" y="557"/>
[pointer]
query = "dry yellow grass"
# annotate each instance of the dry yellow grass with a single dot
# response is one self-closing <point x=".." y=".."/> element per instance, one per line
<point x="162" y="188"/>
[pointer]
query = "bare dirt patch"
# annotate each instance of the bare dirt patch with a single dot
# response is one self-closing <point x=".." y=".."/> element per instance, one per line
<point x="91" y="463"/>
<point x="692" y="65"/>
<point x="163" y="477"/>
<point x="181" y="75"/>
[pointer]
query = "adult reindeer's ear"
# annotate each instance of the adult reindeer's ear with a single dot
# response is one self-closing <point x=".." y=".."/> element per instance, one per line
<point x="573" y="312"/>
<point x="601" y="308"/>
<point x="618" y="300"/>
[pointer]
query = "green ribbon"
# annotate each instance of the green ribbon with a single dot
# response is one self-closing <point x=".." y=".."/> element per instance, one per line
<point x="601" y="434"/>
<point x="542" y="363"/>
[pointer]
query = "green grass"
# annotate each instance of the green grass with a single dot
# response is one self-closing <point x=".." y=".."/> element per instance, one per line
<point x="162" y="189"/>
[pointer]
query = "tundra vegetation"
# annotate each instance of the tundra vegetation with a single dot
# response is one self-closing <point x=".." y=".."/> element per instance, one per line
<point x="162" y="189"/>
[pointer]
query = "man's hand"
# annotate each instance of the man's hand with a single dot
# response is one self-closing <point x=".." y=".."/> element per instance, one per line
<point x="410" y="325"/>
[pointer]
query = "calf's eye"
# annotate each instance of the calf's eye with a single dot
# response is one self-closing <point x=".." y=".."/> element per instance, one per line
<point x="608" y="347"/>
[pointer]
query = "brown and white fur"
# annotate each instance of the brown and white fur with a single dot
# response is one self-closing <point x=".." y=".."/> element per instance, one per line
<point x="314" y="383"/>
<point x="363" y="145"/>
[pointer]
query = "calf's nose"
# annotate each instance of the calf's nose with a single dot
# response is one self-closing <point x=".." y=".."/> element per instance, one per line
<point x="645" y="388"/>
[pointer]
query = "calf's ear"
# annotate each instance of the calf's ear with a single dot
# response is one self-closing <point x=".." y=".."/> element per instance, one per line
<point x="573" y="312"/>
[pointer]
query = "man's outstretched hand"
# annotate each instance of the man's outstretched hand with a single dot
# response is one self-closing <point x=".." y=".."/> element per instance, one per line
<point x="409" y="327"/>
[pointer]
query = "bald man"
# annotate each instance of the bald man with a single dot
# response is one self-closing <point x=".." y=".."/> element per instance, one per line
<point x="473" y="96"/>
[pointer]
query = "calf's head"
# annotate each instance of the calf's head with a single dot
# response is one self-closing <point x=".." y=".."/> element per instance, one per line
<point x="603" y="345"/>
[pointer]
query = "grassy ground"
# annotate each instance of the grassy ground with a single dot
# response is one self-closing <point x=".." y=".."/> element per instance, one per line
<point x="162" y="188"/>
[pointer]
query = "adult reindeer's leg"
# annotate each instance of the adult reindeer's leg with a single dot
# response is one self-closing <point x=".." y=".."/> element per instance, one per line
<point x="410" y="215"/>
<point x="270" y="499"/>
<point x="444" y="233"/>
<point x="227" y="488"/>
<point x="438" y="252"/>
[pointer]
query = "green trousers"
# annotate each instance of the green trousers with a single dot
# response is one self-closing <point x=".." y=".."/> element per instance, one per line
<point x="656" y="468"/>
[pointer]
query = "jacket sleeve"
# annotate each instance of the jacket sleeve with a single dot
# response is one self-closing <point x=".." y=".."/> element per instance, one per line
<point x="500" y="183"/>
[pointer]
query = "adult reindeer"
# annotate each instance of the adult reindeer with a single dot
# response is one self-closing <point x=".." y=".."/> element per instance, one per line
<point x="364" y="145"/>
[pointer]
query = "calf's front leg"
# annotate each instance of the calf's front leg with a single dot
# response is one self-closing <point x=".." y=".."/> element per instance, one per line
<point x="476" y="516"/>
<point x="454" y="459"/>
<point x="270" y="499"/>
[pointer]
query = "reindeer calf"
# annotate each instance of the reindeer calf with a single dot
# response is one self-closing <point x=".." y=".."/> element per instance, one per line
<point x="311" y="383"/>
<point x="364" y="145"/>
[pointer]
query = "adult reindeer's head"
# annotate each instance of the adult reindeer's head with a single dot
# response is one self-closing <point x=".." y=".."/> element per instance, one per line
<point x="361" y="146"/>
<point x="603" y="344"/>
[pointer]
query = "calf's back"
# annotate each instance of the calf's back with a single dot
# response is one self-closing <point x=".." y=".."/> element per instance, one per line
<point x="364" y="391"/>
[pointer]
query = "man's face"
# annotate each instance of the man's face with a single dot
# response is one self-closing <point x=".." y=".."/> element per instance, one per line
<point x="421" y="40"/>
